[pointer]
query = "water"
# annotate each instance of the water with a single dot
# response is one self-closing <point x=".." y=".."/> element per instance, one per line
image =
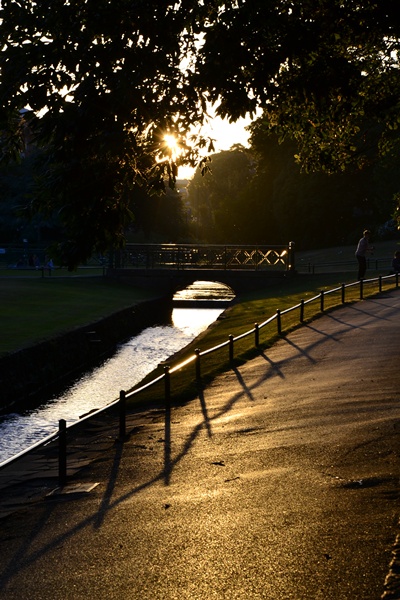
<point x="128" y="366"/>
<point x="205" y="290"/>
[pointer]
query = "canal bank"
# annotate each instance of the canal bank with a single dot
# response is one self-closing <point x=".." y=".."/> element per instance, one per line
<point x="31" y="374"/>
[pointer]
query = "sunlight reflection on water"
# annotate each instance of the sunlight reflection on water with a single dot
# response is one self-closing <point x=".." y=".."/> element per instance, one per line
<point x="129" y="365"/>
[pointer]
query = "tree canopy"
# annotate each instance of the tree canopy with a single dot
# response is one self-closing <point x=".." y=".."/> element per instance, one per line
<point x="260" y="195"/>
<point x="320" y="69"/>
<point x="219" y="210"/>
<point x="105" y="81"/>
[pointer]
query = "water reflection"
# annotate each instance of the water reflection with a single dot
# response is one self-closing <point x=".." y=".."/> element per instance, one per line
<point x="205" y="290"/>
<point x="97" y="388"/>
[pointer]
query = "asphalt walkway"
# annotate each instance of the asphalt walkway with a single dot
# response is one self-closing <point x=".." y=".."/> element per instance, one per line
<point x="281" y="481"/>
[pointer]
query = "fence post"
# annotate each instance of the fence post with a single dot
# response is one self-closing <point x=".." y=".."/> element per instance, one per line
<point x="278" y="321"/>
<point x="122" y="414"/>
<point x="256" y="335"/>
<point x="197" y="362"/>
<point x="301" y="311"/>
<point x="62" y="452"/>
<point x="380" y="283"/>
<point x="343" y="293"/>
<point x="322" y="300"/>
<point x="167" y="383"/>
<point x="361" y="289"/>
<point x="397" y="280"/>
<point x="230" y="348"/>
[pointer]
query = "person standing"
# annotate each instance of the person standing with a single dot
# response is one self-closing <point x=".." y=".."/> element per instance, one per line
<point x="363" y="248"/>
<point x="396" y="262"/>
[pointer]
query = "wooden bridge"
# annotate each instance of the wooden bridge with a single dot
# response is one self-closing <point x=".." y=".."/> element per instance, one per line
<point x="174" y="266"/>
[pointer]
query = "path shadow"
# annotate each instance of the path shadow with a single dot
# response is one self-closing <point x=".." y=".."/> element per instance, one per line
<point x="109" y="491"/>
<point x="246" y="390"/>
<point x="22" y="558"/>
<point x="18" y="561"/>
<point x="204" y="411"/>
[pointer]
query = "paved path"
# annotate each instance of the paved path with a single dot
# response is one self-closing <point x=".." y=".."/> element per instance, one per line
<point x="281" y="481"/>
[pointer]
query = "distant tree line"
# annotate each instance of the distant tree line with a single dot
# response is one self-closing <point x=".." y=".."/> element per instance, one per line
<point x="252" y="195"/>
<point x="262" y="195"/>
<point x="155" y="217"/>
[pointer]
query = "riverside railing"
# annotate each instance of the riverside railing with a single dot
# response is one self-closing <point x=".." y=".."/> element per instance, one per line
<point x="204" y="256"/>
<point x="196" y="360"/>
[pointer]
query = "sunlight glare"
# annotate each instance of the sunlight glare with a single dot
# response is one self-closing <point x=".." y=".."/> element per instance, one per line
<point x="172" y="143"/>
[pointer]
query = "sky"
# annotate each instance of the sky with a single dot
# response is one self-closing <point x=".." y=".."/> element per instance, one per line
<point x="225" y="134"/>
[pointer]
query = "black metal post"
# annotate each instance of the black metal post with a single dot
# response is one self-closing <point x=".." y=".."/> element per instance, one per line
<point x="397" y="280"/>
<point x="167" y="385"/>
<point x="256" y="335"/>
<point x="122" y="414"/>
<point x="301" y="311"/>
<point x="62" y="452"/>
<point x="343" y="293"/>
<point x="380" y="283"/>
<point x="198" y="369"/>
<point x="278" y="321"/>
<point x="322" y="301"/>
<point x="230" y="348"/>
<point x="361" y="289"/>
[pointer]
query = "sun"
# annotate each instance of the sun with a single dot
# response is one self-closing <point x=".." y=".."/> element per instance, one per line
<point x="172" y="144"/>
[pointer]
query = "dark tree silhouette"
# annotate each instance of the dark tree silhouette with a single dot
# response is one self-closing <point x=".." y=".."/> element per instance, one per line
<point x="104" y="81"/>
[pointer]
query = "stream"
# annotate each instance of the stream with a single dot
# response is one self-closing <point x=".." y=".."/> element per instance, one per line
<point x="132" y="361"/>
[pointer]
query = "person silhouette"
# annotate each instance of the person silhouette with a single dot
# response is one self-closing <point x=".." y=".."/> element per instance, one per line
<point x="363" y="248"/>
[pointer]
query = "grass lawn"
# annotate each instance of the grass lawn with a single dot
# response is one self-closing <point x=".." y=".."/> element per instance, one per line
<point x="383" y="253"/>
<point x="33" y="309"/>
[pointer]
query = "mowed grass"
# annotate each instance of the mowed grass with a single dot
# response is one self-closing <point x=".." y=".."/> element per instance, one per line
<point x="383" y="251"/>
<point x="34" y="309"/>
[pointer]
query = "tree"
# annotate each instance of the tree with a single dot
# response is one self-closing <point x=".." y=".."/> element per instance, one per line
<point x="216" y="200"/>
<point x="262" y="195"/>
<point x="104" y="84"/>
<point x="105" y="81"/>
<point x="16" y="188"/>
<point x="318" y="209"/>
<point x="159" y="218"/>
<point x="320" y="69"/>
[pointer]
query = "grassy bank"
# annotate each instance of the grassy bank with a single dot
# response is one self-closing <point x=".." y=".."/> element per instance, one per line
<point x="34" y="309"/>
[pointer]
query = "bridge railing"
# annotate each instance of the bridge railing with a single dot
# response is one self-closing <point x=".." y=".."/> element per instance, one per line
<point x="204" y="256"/>
<point x="356" y="289"/>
